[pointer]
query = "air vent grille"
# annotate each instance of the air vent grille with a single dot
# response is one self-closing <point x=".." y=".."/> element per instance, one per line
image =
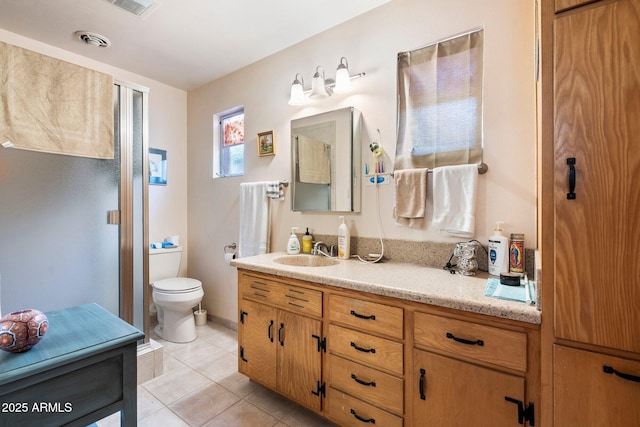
<point x="93" y="39"/>
<point x="137" y="7"/>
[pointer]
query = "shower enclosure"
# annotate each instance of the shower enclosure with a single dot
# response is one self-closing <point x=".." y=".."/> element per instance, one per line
<point x="73" y="230"/>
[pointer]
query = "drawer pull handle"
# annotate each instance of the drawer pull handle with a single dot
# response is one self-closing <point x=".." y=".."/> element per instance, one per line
<point x="270" y="331"/>
<point x="421" y="384"/>
<point x="610" y="370"/>
<point x="362" y="316"/>
<point x="364" y="350"/>
<point x="364" y="420"/>
<point x="463" y="341"/>
<point x="359" y="381"/>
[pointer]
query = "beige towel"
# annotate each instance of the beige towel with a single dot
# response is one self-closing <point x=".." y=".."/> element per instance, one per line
<point x="411" y="197"/>
<point x="314" y="160"/>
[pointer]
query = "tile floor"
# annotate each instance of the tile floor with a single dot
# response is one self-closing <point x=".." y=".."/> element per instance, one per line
<point x="201" y="386"/>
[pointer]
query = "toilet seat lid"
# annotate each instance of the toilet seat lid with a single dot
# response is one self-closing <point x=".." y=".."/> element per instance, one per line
<point x="177" y="284"/>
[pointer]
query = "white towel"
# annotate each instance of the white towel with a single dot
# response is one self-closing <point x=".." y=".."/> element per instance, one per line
<point x="254" y="219"/>
<point x="274" y="190"/>
<point x="454" y="200"/>
<point x="410" y="197"/>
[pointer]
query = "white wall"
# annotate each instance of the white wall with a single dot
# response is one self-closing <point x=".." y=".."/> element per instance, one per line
<point x="370" y="42"/>
<point x="167" y="131"/>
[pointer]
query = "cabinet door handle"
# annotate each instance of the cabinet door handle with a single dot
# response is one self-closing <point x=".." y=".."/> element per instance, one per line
<point x="463" y="341"/>
<point x="280" y="334"/>
<point x="362" y="349"/>
<point x="362" y="316"/>
<point x="421" y="384"/>
<point x="359" y="418"/>
<point x="366" y="383"/>
<point x="610" y="370"/>
<point x="270" y="331"/>
<point x="571" y="161"/>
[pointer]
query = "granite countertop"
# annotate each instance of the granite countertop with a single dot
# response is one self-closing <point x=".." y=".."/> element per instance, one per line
<point x="399" y="280"/>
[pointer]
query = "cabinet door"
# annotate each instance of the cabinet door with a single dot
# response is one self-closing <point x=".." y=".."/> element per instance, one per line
<point x="597" y="123"/>
<point x="256" y="341"/>
<point x="447" y="392"/>
<point x="299" y="358"/>
<point x="593" y="389"/>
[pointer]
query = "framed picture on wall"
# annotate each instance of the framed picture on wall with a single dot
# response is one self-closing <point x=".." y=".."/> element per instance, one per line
<point x="157" y="166"/>
<point x="266" y="144"/>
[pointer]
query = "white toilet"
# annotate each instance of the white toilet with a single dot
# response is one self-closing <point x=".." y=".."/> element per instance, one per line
<point x="173" y="296"/>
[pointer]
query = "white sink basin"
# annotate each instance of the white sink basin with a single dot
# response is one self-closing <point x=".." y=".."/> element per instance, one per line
<point x="306" y="260"/>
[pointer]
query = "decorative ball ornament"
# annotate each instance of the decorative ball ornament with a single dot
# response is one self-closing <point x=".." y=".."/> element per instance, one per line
<point x="21" y="330"/>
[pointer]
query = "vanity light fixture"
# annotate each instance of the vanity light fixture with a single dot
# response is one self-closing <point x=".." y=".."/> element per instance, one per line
<point x="343" y="79"/>
<point x="322" y="88"/>
<point x="319" y="86"/>
<point x="297" y="91"/>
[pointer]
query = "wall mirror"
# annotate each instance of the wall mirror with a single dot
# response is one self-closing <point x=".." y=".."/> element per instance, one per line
<point x="325" y="156"/>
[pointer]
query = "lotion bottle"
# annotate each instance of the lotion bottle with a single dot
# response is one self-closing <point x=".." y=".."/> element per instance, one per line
<point x="293" y="247"/>
<point x="498" y="261"/>
<point x="344" y="240"/>
<point x="307" y="242"/>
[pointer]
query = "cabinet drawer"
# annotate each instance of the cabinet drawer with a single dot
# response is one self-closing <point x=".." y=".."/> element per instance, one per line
<point x="299" y="300"/>
<point x="367" y="349"/>
<point x="367" y="384"/>
<point x="258" y="288"/>
<point x="486" y="343"/>
<point x="367" y="316"/>
<point x="348" y="411"/>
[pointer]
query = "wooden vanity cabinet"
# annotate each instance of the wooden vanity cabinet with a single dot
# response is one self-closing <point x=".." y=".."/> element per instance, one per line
<point x="280" y="337"/>
<point x="365" y="362"/>
<point x="468" y="373"/>
<point x="358" y="358"/>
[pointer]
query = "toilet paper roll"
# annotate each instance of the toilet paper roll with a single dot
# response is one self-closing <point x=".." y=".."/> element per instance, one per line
<point x="229" y="256"/>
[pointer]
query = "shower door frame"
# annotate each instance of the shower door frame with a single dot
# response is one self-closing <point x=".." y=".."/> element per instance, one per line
<point x="127" y="203"/>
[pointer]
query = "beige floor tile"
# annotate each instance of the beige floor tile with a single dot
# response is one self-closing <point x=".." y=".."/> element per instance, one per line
<point x="176" y="384"/>
<point x="198" y="352"/>
<point x="147" y="403"/>
<point x="300" y="416"/>
<point x="271" y="402"/>
<point x="238" y="384"/>
<point x="219" y="367"/>
<point x="164" y="417"/>
<point x="243" y="414"/>
<point x="203" y="404"/>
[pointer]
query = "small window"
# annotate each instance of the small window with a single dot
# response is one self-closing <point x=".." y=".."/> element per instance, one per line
<point x="440" y="103"/>
<point x="231" y="143"/>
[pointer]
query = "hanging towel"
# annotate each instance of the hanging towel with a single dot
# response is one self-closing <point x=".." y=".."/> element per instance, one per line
<point x="274" y="190"/>
<point x="454" y="200"/>
<point x="314" y="160"/>
<point x="410" y="197"/>
<point x="254" y="219"/>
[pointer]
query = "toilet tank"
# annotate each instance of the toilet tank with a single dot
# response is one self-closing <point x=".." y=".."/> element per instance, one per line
<point x="164" y="263"/>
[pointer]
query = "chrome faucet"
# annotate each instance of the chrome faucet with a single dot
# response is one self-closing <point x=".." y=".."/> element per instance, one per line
<point x="318" y="251"/>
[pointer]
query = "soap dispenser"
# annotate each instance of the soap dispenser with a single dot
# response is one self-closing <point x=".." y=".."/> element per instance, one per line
<point x="293" y="247"/>
<point x="498" y="252"/>
<point x="344" y="240"/>
<point x="307" y="242"/>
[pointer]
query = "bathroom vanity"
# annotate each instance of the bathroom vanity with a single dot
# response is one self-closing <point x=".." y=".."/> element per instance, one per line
<point x="387" y="344"/>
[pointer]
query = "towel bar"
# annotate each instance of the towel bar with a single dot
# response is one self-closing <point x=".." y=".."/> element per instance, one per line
<point x="482" y="169"/>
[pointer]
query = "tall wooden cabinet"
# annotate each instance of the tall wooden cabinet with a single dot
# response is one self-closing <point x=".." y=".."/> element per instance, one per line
<point x="593" y="347"/>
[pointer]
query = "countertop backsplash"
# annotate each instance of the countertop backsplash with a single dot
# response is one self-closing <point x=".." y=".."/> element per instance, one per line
<point x="430" y="254"/>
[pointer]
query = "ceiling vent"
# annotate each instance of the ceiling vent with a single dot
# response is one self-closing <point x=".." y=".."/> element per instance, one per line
<point x="93" y="39"/>
<point x="137" y="7"/>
